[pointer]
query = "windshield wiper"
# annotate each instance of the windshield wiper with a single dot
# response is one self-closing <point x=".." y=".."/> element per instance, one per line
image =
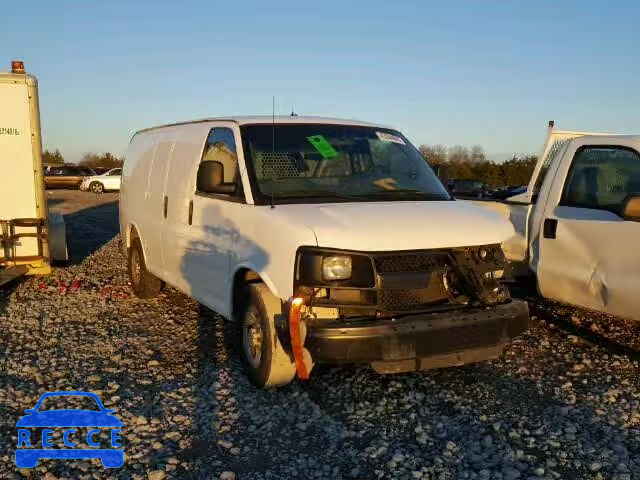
<point x="385" y="194"/>
<point x="315" y="193"/>
<point x="408" y="192"/>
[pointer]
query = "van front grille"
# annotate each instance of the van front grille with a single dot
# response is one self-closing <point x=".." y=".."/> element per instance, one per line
<point x="406" y="300"/>
<point x="412" y="262"/>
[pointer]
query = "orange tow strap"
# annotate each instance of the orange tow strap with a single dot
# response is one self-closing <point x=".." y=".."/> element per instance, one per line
<point x="296" y="340"/>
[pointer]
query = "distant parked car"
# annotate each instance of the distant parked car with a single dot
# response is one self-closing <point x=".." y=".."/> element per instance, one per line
<point x="468" y="188"/>
<point x="66" y="176"/>
<point x="508" y="192"/>
<point x="99" y="183"/>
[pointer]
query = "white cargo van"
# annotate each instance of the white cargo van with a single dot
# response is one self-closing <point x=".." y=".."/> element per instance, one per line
<point x="30" y="236"/>
<point x="326" y="240"/>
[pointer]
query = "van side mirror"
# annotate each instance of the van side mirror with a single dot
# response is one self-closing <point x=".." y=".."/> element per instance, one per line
<point x="210" y="178"/>
<point x="631" y="207"/>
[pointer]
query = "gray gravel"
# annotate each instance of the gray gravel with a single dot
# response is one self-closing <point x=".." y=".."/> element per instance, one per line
<point x="562" y="402"/>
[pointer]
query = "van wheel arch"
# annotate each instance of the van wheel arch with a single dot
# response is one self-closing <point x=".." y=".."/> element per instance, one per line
<point x="143" y="283"/>
<point x="132" y="233"/>
<point x="242" y="278"/>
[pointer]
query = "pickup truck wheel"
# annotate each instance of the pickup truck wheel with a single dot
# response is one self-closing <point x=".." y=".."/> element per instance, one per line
<point x="96" y="187"/>
<point x="266" y="361"/>
<point x="143" y="283"/>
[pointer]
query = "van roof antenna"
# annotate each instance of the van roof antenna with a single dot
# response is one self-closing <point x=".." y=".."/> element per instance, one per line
<point x="273" y="136"/>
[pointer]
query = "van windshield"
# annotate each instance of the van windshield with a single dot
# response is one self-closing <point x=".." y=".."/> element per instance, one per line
<point x="298" y="163"/>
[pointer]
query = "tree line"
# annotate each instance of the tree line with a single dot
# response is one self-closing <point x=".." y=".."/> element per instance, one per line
<point x="471" y="163"/>
<point x="460" y="162"/>
<point x="106" y="159"/>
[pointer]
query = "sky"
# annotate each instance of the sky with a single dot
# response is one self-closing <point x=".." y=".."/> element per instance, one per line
<point x="490" y="73"/>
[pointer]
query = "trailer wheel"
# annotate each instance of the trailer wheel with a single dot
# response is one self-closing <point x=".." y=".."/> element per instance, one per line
<point x="96" y="187"/>
<point x="266" y="361"/>
<point x="143" y="283"/>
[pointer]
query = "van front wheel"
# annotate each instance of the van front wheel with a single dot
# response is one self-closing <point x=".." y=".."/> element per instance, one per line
<point x="143" y="283"/>
<point x="266" y="361"/>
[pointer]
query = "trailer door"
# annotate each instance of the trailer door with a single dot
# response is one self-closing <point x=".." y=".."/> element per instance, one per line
<point x="19" y="178"/>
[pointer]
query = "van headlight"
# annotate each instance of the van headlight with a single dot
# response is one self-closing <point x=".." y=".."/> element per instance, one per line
<point x="336" y="267"/>
<point x="318" y="267"/>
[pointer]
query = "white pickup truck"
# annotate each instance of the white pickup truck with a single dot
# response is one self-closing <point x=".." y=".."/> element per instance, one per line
<point x="578" y="224"/>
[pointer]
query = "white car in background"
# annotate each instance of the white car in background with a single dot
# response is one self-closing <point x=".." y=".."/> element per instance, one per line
<point x="99" y="183"/>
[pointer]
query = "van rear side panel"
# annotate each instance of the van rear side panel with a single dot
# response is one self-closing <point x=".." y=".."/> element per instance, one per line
<point x="142" y="193"/>
<point x="18" y="194"/>
<point x="135" y="181"/>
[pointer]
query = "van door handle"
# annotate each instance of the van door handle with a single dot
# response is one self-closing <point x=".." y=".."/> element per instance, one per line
<point x="166" y="204"/>
<point x="190" y="211"/>
<point x="549" y="228"/>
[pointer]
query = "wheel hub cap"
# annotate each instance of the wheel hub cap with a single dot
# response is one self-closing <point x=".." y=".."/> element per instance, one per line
<point x="135" y="264"/>
<point x="252" y="338"/>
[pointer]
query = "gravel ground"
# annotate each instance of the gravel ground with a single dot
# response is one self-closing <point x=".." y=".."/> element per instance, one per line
<point x="561" y="403"/>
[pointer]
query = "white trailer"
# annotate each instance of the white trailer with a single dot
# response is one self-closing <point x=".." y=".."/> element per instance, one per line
<point x="578" y="224"/>
<point x="30" y="236"/>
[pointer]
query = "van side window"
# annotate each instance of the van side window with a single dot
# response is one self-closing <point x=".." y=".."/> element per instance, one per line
<point x="221" y="147"/>
<point x="601" y="178"/>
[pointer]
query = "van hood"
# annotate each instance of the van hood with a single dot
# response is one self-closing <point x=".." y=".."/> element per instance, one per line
<point x="385" y="226"/>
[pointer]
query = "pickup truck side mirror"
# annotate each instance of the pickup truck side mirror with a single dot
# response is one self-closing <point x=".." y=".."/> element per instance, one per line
<point x="210" y="178"/>
<point x="631" y="207"/>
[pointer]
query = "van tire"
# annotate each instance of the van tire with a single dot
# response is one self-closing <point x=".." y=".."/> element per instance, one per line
<point x="143" y="283"/>
<point x="274" y="366"/>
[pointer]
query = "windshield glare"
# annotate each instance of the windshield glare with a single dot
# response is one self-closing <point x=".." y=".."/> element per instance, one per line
<point x="348" y="162"/>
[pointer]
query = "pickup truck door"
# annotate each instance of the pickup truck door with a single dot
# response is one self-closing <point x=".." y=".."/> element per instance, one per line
<point x="588" y="254"/>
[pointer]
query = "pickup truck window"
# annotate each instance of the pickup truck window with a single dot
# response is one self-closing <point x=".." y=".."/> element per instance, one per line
<point x="601" y="178"/>
<point x="557" y="146"/>
<point x="298" y="163"/>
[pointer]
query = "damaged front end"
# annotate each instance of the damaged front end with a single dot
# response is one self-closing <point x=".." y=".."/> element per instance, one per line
<point x="408" y="307"/>
<point x="395" y="283"/>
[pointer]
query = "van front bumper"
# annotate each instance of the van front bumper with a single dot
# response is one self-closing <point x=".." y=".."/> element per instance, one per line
<point x="419" y="341"/>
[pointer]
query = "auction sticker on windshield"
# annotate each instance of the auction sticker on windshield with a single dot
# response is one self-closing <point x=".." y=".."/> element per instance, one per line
<point x="388" y="137"/>
<point x="323" y="146"/>
<point x="56" y="428"/>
